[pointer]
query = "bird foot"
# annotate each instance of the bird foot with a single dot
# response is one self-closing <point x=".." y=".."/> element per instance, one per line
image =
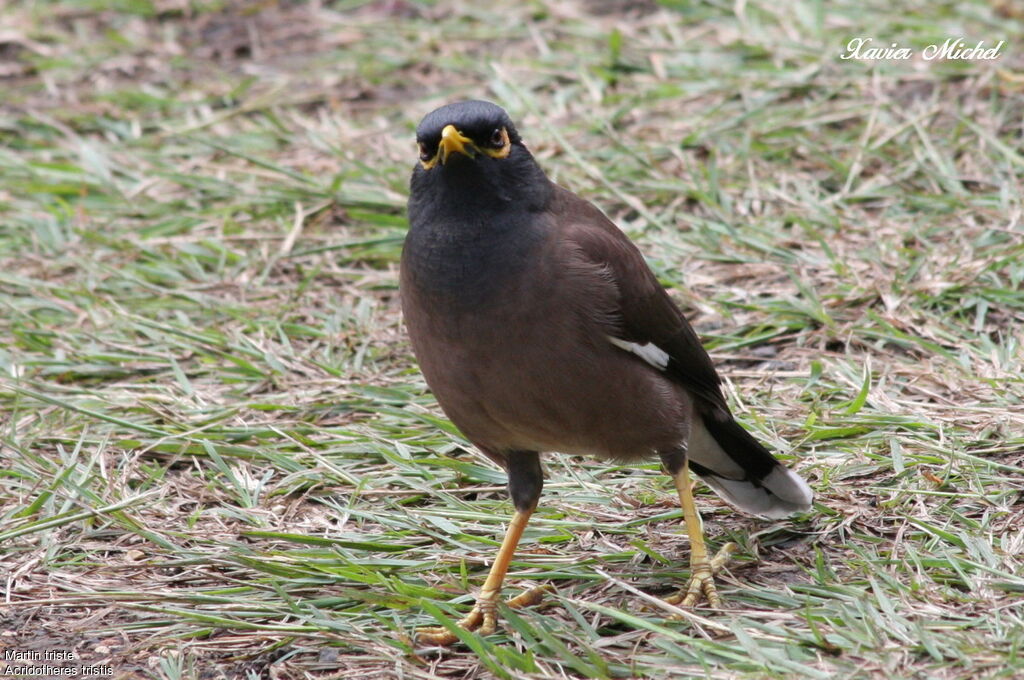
<point x="482" y="618"/>
<point x="702" y="580"/>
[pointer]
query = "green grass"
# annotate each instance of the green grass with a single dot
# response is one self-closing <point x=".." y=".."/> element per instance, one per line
<point x="219" y="459"/>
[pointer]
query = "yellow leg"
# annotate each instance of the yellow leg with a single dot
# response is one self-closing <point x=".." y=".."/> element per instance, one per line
<point x="484" y="615"/>
<point x="702" y="570"/>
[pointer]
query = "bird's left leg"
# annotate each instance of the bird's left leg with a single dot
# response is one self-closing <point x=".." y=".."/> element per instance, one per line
<point x="702" y="569"/>
<point x="525" y="482"/>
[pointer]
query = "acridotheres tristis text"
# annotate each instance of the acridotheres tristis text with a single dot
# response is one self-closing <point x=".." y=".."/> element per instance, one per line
<point x="539" y="327"/>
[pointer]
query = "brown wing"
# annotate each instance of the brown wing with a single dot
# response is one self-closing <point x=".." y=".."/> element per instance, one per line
<point x="724" y="454"/>
<point x="647" y="313"/>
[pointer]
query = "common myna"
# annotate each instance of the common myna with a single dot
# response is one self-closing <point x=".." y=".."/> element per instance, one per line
<point x="539" y="327"/>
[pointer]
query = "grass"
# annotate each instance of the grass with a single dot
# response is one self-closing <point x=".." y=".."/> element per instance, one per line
<point x="219" y="459"/>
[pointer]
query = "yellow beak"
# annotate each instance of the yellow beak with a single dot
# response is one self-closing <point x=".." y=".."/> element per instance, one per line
<point x="453" y="141"/>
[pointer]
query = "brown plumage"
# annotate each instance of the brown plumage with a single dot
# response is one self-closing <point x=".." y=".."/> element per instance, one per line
<point x="539" y="327"/>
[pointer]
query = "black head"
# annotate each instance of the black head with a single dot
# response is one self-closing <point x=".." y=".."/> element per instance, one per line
<point x="469" y="127"/>
<point x="472" y="154"/>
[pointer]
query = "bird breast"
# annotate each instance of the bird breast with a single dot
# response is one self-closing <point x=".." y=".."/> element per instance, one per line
<point x="517" y="367"/>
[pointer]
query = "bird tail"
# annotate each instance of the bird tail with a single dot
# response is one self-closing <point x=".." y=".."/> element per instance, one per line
<point x="742" y="471"/>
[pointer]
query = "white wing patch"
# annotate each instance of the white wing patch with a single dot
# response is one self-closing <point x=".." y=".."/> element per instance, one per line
<point x="649" y="352"/>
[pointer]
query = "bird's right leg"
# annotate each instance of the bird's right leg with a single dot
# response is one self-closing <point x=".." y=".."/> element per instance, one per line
<point x="525" y="482"/>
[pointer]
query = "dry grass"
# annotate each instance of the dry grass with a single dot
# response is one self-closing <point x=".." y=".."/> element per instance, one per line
<point x="219" y="459"/>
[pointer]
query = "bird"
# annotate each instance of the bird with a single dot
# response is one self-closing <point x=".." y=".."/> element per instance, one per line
<point x="540" y="328"/>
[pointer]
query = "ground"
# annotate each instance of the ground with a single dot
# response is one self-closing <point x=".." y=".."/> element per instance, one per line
<point x="220" y="461"/>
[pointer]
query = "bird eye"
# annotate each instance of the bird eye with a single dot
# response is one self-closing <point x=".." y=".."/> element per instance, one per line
<point x="498" y="138"/>
<point x="424" y="152"/>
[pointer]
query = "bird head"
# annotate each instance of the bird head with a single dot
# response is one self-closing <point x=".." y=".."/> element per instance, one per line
<point x="468" y="130"/>
<point x="470" y="152"/>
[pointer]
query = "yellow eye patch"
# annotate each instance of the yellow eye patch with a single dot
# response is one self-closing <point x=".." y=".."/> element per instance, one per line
<point x="452" y="141"/>
<point x="501" y="145"/>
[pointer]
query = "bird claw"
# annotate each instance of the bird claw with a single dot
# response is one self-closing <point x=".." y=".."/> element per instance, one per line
<point x="702" y="581"/>
<point x="482" y="618"/>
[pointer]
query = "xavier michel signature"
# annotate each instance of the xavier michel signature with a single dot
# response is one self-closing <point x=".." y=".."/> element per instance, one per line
<point x="952" y="48"/>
